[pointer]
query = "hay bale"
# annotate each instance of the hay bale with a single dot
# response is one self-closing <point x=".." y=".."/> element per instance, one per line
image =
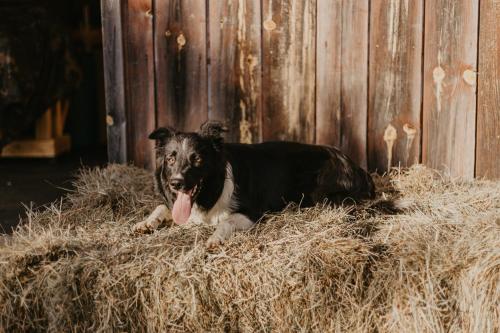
<point x="76" y="266"/>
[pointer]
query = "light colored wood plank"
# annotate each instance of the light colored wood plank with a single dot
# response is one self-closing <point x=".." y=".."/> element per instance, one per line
<point x="449" y="102"/>
<point x="328" y="72"/>
<point x="488" y="113"/>
<point x="43" y="125"/>
<point x="235" y="67"/>
<point x="181" y="63"/>
<point x="38" y="148"/>
<point x="289" y="54"/>
<point x="354" y="89"/>
<point x="396" y="34"/>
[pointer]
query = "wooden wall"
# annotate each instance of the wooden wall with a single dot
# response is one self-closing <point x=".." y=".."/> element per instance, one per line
<point x="390" y="82"/>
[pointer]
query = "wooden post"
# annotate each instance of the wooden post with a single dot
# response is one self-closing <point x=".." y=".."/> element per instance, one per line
<point x="114" y="80"/>
<point x="137" y="17"/>
<point x="289" y="70"/>
<point x="235" y="67"/>
<point x="396" y="34"/>
<point x="488" y="113"/>
<point x="449" y="103"/>
<point x="181" y="63"/>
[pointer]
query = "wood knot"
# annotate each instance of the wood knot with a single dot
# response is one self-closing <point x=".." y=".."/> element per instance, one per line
<point x="269" y="25"/>
<point x="469" y="77"/>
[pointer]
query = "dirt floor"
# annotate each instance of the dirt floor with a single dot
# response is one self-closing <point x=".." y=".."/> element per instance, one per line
<point x="36" y="182"/>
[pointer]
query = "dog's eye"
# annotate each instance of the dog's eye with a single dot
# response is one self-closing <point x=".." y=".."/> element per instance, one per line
<point x="196" y="159"/>
<point x="170" y="160"/>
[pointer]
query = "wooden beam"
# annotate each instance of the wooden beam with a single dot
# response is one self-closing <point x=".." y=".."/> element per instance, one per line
<point x="354" y="84"/>
<point x="488" y="113"/>
<point x="396" y="34"/>
<point x="449" y="102"/>
<point x="289" y="70"/>
<point x="181" y="63"/>
<point x="114" y="80"/>
<point x="235" y="67"/>
<point x="139" y="80"/>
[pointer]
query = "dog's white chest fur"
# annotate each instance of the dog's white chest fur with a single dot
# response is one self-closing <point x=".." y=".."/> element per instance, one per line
<point x="225" y="205"/>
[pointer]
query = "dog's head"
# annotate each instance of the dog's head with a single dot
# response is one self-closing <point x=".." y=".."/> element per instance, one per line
<point x="185" y="160"/>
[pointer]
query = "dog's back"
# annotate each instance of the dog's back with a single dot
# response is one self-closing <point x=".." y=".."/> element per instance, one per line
<point x="270" y="175"/>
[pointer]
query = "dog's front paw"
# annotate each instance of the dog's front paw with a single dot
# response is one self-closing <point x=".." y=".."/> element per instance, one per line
<point x="144" y="227"/>
<point x="214" y="241"/>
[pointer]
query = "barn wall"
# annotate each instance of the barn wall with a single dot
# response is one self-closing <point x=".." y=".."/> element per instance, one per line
<point x="389" y="82"/>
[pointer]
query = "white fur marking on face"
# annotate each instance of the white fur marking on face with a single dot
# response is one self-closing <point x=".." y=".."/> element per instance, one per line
<point x="225" y="205"/>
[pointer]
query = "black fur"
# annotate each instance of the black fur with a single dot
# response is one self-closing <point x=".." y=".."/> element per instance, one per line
<point x="267" y="176"/>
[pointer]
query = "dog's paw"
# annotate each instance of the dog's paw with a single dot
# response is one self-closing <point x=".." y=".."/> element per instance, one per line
<point x="144" y="227"/>
<point x="214" y="242"/>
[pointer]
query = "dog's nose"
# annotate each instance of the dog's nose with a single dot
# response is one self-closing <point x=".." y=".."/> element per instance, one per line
<point x="177" y="183"/>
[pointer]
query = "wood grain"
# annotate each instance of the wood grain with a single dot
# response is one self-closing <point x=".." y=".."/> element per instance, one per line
<point x="354" y="89"/>
<point x="449" y="102"/>
<point x="328" y="72"/>
<point x="288" y="55"/>
<point x="235" y="67"/>
<point x="488" y="113"/>
<point x="114" y="80"/>
<point x="139" y="79"/>
<point x="181" y="63"/>
<point x="396" y="34"/>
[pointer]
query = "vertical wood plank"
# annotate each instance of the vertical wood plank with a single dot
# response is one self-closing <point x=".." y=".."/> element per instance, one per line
<point x="114" y="80"/>
<point x="488" y="113"/>
<point x="288" y="54"/>
<point x="139" y="78"/>
<point x="449" y="103"/>
<point x="328" y="72"/>
<point x="396" y="33"/>
<point x="235" y="67"/>
<point x="181" y="63"/>
<point x="354" y="89"/>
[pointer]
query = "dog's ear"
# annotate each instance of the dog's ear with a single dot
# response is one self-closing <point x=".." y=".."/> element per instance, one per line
<point x="161" y="135"/>
<point x="214" y="131"/>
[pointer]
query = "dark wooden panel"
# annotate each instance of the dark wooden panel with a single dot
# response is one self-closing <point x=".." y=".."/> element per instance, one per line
<point x="488" y="113"/>
<point x="449" y="105"/>
<point x="288" y="53"/>
<point x="235" y="67"/>
<point x="396" y="34"/>
<point x="139" y="71"/>
<point x="181" y="63"/>
<point x="328" y="72"/>
<point x="114" y="81"/>
<point x="354" y="89"/>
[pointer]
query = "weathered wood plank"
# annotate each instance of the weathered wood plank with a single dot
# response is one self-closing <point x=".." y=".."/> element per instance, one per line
<point x="139" y="79"/>
<point x="488" y="113"/>
<point x="449" y="103"/>
<point x="235" y="67"/>
<point x="181" y="63"/>
<point x="114" y="80"/>
<point x="354" y="89"/>
<point x="288" y="54"/>
<point x="328" y="72"/>
<point x="396" y="34"/>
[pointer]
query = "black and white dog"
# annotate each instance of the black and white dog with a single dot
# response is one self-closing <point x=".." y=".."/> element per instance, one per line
<point x="230" y="185"/>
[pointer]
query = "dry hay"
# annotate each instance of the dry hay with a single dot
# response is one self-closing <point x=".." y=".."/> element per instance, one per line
<point x="435" y="268"/>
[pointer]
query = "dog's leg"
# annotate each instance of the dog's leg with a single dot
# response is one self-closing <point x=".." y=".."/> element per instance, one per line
<point x="160" y="214"/>
<point x="225" y="228"/>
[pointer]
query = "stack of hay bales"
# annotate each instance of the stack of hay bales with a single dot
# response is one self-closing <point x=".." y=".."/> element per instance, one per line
<point x="76" y="266"/>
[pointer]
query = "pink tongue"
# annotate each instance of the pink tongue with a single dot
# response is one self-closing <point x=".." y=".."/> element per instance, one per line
<point x="182" y="208"/>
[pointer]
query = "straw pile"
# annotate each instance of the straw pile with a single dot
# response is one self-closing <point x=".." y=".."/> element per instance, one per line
<point x="76" y="266"/>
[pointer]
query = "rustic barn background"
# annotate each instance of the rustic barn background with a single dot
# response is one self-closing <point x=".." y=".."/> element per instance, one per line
<point x="390" y="82"/>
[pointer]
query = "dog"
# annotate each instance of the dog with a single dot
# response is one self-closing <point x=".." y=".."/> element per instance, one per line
<point x="202" y="179"/>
